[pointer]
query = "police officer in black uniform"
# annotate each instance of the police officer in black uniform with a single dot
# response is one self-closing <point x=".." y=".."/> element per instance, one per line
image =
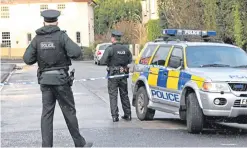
<point x="52" y="49"/>
<point x="117" y="57"/>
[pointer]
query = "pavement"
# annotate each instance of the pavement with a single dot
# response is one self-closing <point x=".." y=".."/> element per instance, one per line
<point x="21" y="108"/>
<point x="6" y="69"/>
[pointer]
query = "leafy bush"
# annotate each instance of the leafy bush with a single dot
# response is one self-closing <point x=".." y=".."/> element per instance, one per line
<point x="88" y="52"/>
<point x="153" y="29"/>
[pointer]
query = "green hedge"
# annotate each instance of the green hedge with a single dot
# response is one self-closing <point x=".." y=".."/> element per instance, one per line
<point x="153" y="29"/>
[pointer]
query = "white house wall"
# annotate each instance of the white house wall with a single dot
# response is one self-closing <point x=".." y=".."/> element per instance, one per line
<point x="25" y="18"/>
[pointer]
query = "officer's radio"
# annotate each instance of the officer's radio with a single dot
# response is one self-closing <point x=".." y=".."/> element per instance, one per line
<point x="71" y="77"/>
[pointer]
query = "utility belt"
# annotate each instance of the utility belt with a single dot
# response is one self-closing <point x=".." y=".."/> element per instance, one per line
<point x="117" y="70"/>
<point x="55" y="76"/>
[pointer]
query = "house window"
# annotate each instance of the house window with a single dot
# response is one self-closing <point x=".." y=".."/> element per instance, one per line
<point x="29" y="37"/>
<point x="6" y="42"/>
<point x="4" y="12"/>
<point x="43" y="7"/>
<point x="78" y="37"/>
<point x="60" y="8"/>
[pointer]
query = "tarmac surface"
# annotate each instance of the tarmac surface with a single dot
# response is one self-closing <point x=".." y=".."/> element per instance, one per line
<point x="21" y="108"/>
<point x="6" y="69"/>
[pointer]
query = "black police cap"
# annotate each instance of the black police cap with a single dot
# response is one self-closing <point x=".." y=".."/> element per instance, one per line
<point x="50" y="15"/>
<point x="116" y="33"/>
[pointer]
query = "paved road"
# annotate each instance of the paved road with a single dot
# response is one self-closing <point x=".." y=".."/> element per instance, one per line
<point x="5" y="70"/>
<point x="21" y="110"/>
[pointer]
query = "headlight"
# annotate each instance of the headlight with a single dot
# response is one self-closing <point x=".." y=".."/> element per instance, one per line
<point x="215" y="87"/>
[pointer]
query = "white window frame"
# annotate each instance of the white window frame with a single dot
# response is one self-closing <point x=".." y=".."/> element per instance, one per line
<point x="61" y="8"/>
<point x="6" y="38"/>
<point x="28" y="38"/>
<point x="43" y="7"/>
<point x="5" y="12"/>
<point x="78" y="38"/>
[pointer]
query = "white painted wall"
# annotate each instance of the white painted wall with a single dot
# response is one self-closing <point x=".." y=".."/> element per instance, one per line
<point x="91" y="24"/>
<point x="25" y="18"/>
<point x="149" y="10"/>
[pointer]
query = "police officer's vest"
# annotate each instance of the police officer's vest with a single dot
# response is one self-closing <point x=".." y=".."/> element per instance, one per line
<point x="50" y="51"/>
<point x="120" y="55"/>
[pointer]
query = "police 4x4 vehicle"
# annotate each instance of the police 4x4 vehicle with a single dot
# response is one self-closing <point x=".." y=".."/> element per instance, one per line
<point x="199" y="81"/>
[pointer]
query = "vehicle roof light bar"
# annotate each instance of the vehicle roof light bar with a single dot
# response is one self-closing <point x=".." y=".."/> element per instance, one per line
<point x="181" y="32"/>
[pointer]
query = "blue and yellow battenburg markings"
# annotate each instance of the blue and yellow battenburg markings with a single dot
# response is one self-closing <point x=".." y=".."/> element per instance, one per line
<point x="171" y="79"/>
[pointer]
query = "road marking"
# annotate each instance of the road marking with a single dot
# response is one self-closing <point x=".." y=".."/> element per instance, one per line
<point x="229" y="144"/>
<point x="8" y="78"/>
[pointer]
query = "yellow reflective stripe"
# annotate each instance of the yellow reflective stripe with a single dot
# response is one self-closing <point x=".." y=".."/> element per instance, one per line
<point x="153" y="76"/>
<point x="139" y="55"/>
<point x="135" y="76"/>
<point x="198" y="80"/>
<point x="173" y="79"/>
<point x="185" y="59"/>
<point x="151" y="59"/>
<point x="168" y="57"/>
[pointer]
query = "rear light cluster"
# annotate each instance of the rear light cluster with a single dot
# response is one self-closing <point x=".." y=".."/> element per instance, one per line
<point x="98" y="53"/>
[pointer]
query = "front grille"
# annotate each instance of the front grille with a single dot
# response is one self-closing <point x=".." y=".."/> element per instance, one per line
<point x="237" y="104"/>
<point x="243" y="95"/>
<point x="238" y="86"/>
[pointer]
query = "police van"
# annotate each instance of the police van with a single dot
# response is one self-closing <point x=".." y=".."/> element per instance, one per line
<point x="200" y="81"/>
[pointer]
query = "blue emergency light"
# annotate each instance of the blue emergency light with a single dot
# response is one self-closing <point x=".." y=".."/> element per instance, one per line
<point x="174" y="32"/>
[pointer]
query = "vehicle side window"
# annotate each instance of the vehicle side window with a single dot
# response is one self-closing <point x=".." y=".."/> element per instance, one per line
<point x="176" y="53"/>
<point x="161" y="55"/>
<point x="147" y="54"/>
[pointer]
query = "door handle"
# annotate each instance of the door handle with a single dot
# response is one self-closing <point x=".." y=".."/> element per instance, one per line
<point x="150" y="71"/>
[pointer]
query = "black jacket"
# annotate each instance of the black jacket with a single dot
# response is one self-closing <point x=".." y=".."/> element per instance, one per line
<point x="117" y="54"/>
<point x="66" y="45"/>
<point x="52" y="49"/>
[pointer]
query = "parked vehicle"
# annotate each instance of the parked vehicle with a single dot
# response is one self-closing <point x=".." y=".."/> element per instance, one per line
<point x="100" y="49"/>
<point x="199" y="81"/>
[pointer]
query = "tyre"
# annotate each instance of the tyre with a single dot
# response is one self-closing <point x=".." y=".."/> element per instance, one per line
<point x="95" y="62"/>
<point x="142" y="111"/>
<point x="98" y="63"/>
<point x="194" y="114"/>
<point x="182" y="114"/>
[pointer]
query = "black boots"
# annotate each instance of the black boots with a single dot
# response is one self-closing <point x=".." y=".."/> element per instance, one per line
<point x="115" y="119"/>
<point x="126" y="117"/>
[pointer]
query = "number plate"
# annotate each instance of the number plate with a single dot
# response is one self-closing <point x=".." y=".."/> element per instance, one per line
<point x="243" y="102"/>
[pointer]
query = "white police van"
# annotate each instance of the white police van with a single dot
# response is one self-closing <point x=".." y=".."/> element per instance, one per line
<point x="200" y="81"/>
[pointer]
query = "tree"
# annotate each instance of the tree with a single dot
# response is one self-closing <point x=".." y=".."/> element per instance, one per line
<point x="110" y="12"/>
<point x="238" y="27"/>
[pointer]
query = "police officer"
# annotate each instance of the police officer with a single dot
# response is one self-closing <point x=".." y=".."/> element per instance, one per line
<point x="117" y="57"/>
<point x="52" y="49"/>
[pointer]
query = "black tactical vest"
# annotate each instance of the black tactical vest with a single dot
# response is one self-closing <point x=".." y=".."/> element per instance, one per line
<point x="120" y="55"/>
<point x="50" y="51"/>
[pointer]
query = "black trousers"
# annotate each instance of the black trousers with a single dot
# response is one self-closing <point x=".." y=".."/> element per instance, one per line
<point x="64" y="95"/>
<point x="113" y="85"/>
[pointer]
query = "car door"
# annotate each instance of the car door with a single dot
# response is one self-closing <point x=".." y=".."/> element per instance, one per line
<point x="158" y="74"/>
<point x="174" y="76"/>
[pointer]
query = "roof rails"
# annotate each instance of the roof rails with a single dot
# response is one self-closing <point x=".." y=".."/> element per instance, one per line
<point x="179" y="35"/>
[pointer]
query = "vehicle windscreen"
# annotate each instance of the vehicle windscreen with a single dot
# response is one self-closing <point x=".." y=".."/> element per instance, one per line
<point x="212" y="56"/>
<point x="103" y="47"/>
